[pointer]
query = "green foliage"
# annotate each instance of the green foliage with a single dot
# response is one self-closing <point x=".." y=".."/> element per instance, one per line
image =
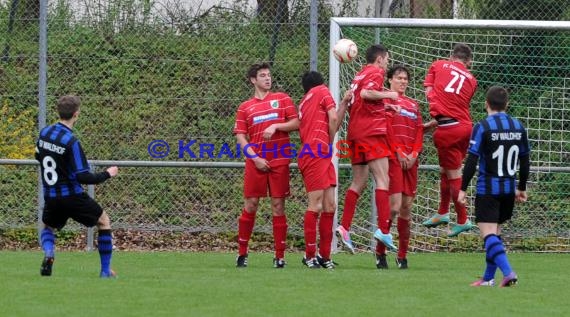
<point x="181" y="77"/>
<point x="17" y="140"/>
<point x="28" y="236"/>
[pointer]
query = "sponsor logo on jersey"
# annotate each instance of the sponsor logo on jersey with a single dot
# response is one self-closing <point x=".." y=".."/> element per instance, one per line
<point x="409" y="114"/>
<point x="265" y="117"/>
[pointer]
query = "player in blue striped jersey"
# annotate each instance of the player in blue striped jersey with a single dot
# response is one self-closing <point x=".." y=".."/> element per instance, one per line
<point x="499" y="142"/>
<point x="64" y="168"/>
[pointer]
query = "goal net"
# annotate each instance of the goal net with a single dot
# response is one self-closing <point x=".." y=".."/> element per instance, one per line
<point x="530" y="59"/>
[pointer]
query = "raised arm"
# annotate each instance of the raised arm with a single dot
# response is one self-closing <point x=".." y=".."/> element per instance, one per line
<point x="369" y="94"/>
<point x="343" y="107"/>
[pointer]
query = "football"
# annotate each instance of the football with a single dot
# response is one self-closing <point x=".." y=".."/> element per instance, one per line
<point x="345" y="50"/>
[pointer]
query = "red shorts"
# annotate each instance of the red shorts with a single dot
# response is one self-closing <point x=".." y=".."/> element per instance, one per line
<point x="257" y="183"/>
<point x="318" y="173"/>
<point x="402" y="181"/>
<point x="452" y="142"/>
<point x="364" y="150"/>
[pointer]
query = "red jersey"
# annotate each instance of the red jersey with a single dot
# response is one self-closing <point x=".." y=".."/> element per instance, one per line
<point x="255" y="115"/>
<point x="313" y="108"/>
<point x="367" y="118"/>
<point x="453" y="87"/>
<point x="406" y="130"/>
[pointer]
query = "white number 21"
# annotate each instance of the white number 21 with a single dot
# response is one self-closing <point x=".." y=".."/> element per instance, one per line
<point x="456" y="76"/>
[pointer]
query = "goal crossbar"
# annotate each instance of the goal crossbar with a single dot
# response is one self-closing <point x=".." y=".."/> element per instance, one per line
<point x="454" y="23"/>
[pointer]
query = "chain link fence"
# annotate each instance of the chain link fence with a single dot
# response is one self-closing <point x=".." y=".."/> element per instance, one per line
<point x="174" y="71"/>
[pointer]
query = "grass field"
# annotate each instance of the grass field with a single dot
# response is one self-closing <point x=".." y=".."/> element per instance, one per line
<point x="208" y="284"/>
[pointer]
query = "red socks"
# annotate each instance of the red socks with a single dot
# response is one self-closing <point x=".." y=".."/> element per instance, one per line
<point x="350" y="200"/>
<point x="245" y="227"/>
<point x="380" y="247"/>
<point x="326" y="234"/>
<point x="460" y="209"/>
<point x="325" y="224"/>
<point x="310" y="231"/>
<point x="445" y="194"/>
<point x="280" y="235"/>
<point x="383" y="209"/>
<point x="403" y="237"/>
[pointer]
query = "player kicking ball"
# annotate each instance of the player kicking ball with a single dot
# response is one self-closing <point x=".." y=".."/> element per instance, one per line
<point x="64" y="168"/>
<point x="499" y="143"/>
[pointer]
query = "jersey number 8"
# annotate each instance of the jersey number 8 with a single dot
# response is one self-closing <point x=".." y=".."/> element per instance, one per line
<point x="50" y="175"/>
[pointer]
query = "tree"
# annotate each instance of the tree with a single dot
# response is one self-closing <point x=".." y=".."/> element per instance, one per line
<point x="273" y="11"/>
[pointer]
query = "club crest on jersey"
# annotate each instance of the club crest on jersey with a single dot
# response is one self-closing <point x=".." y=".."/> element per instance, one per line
<point x="274" y="104"/>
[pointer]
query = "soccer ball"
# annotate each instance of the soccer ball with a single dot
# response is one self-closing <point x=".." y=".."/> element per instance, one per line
<point x="345" y="50"/>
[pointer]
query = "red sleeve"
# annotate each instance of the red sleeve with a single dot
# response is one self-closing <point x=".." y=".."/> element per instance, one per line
<point x="240" y="125"/>
<point x="374" y="81"/>
<point x="430" y="76"/>
<point x="290" y="110"/>
<point x="327" y="101"/>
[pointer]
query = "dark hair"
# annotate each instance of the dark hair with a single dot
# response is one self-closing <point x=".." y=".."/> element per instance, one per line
<point x="67" y="106"/>
<point x="253" y="69"/>
<point x="398" y="68"/>
<point x="311" y="79"/>
<point x="462" y="52"/>
<point x="497" y="97"/>
<point x="374" y="51"/>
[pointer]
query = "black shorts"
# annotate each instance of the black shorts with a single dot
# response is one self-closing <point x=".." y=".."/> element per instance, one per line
<point x="494" y="209"/>
<point x="80" y="208"/>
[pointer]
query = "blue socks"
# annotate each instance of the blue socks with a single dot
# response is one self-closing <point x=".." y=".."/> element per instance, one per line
<point x="105" y="246"/>
<point x="48" y="241"/>
<point x="495" y="252"/>
<point x="489" y="270"/>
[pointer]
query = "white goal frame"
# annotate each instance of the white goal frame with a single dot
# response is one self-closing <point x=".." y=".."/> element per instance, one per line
<point x="334" y="65"/>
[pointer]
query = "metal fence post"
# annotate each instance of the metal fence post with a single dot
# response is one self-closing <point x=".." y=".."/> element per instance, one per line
<point x="314" y="26"/>
<point x="42" y="92"/>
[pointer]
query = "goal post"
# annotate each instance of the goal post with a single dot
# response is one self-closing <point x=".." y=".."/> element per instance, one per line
<point x="530" y="58"/>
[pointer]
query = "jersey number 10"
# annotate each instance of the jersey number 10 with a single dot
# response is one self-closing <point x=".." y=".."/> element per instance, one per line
<point x="510" y="164"/>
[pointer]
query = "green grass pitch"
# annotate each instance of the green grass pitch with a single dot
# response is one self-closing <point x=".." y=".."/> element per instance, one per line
<point x="208" y="284"/>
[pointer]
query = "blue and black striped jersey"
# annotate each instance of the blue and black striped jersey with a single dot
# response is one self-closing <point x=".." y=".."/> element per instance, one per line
<point x="499" y="141"/>
<point x="61" y="159"/>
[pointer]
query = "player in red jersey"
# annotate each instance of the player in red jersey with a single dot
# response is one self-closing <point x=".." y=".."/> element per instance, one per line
<point x="449" y="87"/>
<point x="368" y="144"/>
<point x="319" y="123"/>
<point x="262" y="128"/>
<point x="406" y="135"/>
